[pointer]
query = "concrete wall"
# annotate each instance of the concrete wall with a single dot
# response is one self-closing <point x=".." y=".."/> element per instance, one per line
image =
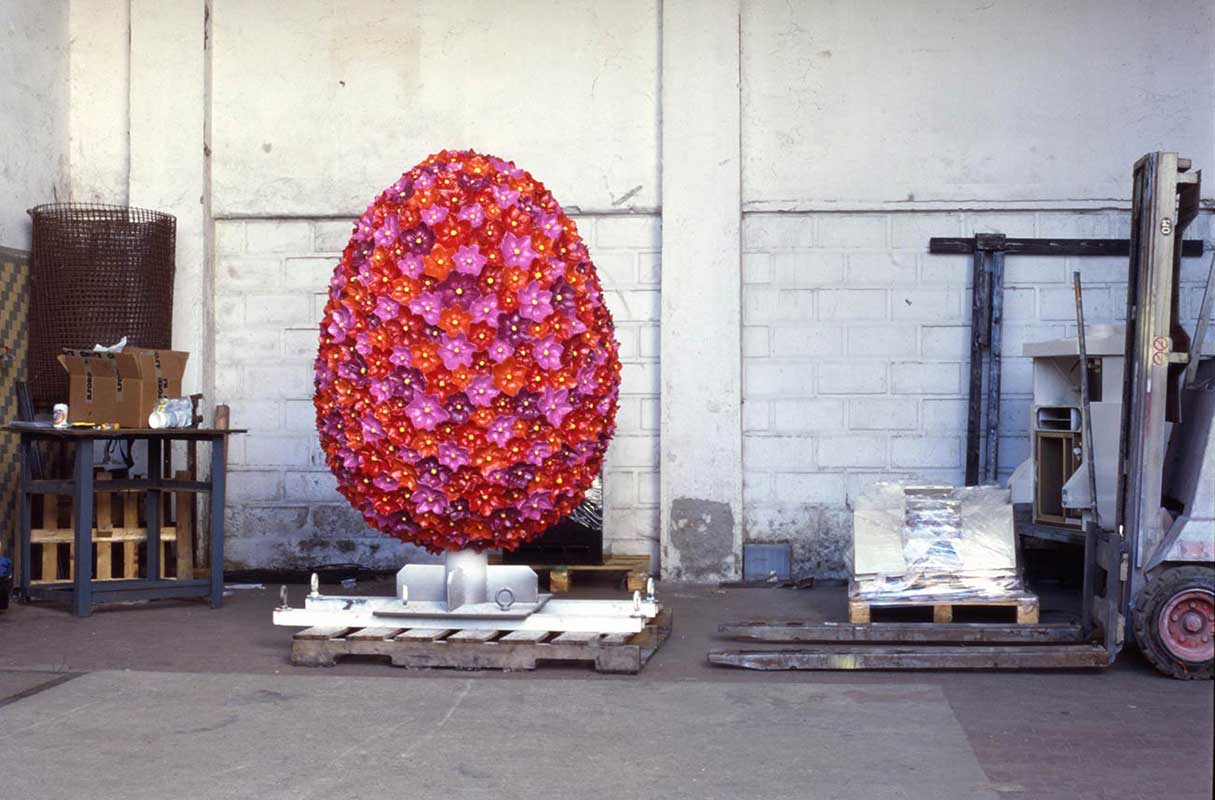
<point x="757" y="181"/>
<point x="34" y="105"/>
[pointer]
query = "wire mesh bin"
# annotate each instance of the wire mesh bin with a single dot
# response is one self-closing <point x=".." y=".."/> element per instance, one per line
<point x="98" y="273"/>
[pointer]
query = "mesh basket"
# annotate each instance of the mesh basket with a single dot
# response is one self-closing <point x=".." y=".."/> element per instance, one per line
<point x="98" y="273"/>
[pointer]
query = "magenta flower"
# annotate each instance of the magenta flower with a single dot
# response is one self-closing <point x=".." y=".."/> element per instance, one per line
<point x="501" y="430"/>
<point x="425" y="412"/>
<point x="555" y="405"/>
<point x="504" y="196"/>
<point x="469" y="260"/>
<point x="401" y="357"/>
<point x="386" y="235"/>
<point x="547" y="353"/>
<point x="384" y="483"/>
<point x="472" y="213"/>
<point x="350" y="459"/>
<point x="425" y="180"/>
<point x="428" y="306"/>
<point x="429" y="501"/>
<point x="486" y="310"/>
<point x="549" y="226"/>
<point x="535" y="303"/>
<point x="386" y="308"/>
<point x="517" y="251"/>
<point x="362" y="343"/>
<point x="455" y="351"/>
<point x="372" y="430"/>
<point x="453" y="456"/>
<point x="535" y="505"/>
<point x="342" y="320"/>
<point x="434" y="215"/>
<point x="481" y="391"/>
<point x="500" y="350"/>
<point x="411" y="265"/>
<point x="537" y="452"/>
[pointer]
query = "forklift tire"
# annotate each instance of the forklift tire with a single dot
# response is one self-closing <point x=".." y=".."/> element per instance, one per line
<point x="1174" y="622"/>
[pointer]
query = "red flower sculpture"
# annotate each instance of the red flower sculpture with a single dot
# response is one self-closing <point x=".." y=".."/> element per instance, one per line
<point x="467" y="376"/>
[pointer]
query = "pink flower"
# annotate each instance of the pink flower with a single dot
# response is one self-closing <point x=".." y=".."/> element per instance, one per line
<point x="538" y="451"/>
<point x="469" y="260"/>
<point x="372" y="430"/>
<point x="555" y="405"/>
<point x="535" y="505"/>
<point x="455" y="351"/>
<point x="386" y="308"/>
<point x="473" y="214"/>
<point x="411" y="265"/>
<point x="401" y="357"/>
<point x="387" y="233"/>
<point x="429" y="501"/>
<point x="501" y="430"/>
<point x="547" y="353"/>
<point x="504" y="196"/>
<point x="481" y="391"/>
<point x="517" y="251"/>
<point x="549" y="226"/>
<point x="426" y="412"/>
<point x="500" y="350"/>
<point x="453" y="456"/>
<point x="486" y="310"/>
<point x="434" y="215"/>
<point x="428" y="306"/>
<point x="535" y="303"/>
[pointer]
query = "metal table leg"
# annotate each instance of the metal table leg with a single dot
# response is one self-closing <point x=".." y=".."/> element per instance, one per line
<point x="82" y="498"/>
<point x="25" y="507"/>
<point x="152" y="509"/>
<point x="219" y="467"/>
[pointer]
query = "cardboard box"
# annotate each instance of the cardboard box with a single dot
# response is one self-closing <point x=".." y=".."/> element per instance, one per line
<point x="121" y="387"/>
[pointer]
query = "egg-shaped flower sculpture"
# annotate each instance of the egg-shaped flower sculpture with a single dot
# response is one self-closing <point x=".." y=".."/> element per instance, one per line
<point x="467" y="375"/>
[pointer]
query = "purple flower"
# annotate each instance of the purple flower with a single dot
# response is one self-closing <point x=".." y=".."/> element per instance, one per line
<point x="350" y="459"/>
<point x="513" y="329"/>
<point x="425" y="180"/>
<point x="563" y="297"/>
<point x="455" y="351"/>
<point x="473" y="214"/>
<point x="402" y="189"/>
<point x="459" y="407"/>
<point x="469" y="260"/>
<point x="504" y="196"/>
<point x="427" y="305"/>
<point x="517" y="251"/>
<point x="501" y="430"/>
<point x="537" y="453"/>
<point x="519" y="476"/>
<point x="526" y="405"/>
<point x="362" y="343"/>
<point x="555" y="405"/>
<point x="434" y="215"/>
<point x="401" y="357"/>
<point x="549" y="225"/>
<point x="586" y="380"/>
<point x="386" y="235"/>
<point x="419" y="239"/>
<point x="386" y="308"/>
<point x="429" y="501"/>
<point x="366" y="274"/>
<point x="534" y="302"/>
<point x="459" y="289"/>
<point x="481" y="391"/>
<point x="353" y="370"/>
<point x="485" y="310"/>
<point x="547" y="353"/>
<point x="364" y="230"/>
<point x="385" y="483"/>
<point x="372" y="430"/>
<point x="384" y="388"/>
<point x="425" y="412"/>
<point x="500" y="350"/>
<point x="341" y="322"/>
<point x="411" y="265"/>
<point x="433" y="474"/>
<point x="535" y="505"/>
<point x="453" y="456"/>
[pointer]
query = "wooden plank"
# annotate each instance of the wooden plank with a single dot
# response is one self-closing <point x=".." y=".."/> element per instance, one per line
<point x="373" y="634"/>
<point x="473" y="635"/>
<point x="576" y="637"/>
<point x="858" y="612"/>
<point x="320" y="634"/>
<point x="808" y="631"/>
<point x="50" y="563"/>
<point x="104" y="522"/>
<point x="525" y="636"/>
<point x="184" y="521"/>
<point x="422" y="635"/>
<point x="612" y="639"/>
<point x="65" y="536"/>
<point x="50" y="511"/>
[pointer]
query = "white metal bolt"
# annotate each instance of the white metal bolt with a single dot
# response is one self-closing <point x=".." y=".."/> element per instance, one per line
<point x="637" y="602"/>
<point x="649" y="589"/>
<point x="315" y="585"/>
<point x="404" y="594"/>
<point x="282" y="596"/>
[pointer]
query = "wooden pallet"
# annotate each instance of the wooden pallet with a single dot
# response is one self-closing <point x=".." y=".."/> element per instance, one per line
<point x="117" y="536"/>
<point x="1025" y="607"/>
<point x="636" y="569"/>
<point x="422" y="648"/>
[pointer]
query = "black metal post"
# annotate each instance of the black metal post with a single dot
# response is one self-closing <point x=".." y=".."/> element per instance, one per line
<point x="991" y="461"/>
<point x="219" y="467"/>
<point x="152" y="509"/>
<point x="978" y="336"/>
<point x="82" y="499"/>
<point x="24" y="523"/>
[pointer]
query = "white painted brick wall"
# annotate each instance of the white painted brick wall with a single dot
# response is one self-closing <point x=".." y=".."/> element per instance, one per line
<point x="284" y="509"/>
<point x="855" y="351"/>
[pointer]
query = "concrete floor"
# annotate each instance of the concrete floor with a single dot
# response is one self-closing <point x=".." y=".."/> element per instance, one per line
<point x="135" y="697"/>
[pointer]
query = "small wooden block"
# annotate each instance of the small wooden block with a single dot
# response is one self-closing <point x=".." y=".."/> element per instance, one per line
<point x="473" y="635"/>
<point x="576" y="637"/>
<point x="373" y="634"/>
<point x="525" y="636"/>
<point x="105" y="561"/>
<point x="1027" y="613"/>
<point x="50" y="562"/>
<point x="858" y="612"/>
<point x="612" y="639"/>
<point x="130" y="560"/>
<point x="559" y="580"/>
<point x="183" y="511"/>
<point x="320" y="633"/>
<point x="635" y="582"/>
<point x="942" y="613"/>
<point x="422" y="635"/>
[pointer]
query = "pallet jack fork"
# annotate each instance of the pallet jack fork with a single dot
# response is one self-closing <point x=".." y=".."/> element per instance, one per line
<point x="1160" y="527"/>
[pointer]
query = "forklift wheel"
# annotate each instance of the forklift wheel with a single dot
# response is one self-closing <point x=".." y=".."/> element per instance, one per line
<point x="1175" y="622"/>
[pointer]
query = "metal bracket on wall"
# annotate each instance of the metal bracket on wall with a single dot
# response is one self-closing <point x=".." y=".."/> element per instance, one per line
<point x="987" y="311"/>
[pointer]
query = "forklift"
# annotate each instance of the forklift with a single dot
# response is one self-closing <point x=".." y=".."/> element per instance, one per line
<point x="1151" y="575"/>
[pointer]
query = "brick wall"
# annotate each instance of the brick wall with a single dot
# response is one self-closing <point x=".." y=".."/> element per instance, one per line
<point x="283" y="507"/>
<point x="855" y="350"/>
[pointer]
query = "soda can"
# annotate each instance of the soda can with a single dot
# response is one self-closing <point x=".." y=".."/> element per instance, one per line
<point x="59" y="415"/>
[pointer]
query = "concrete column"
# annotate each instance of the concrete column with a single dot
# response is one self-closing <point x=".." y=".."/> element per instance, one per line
<point x="168" y="164"/>
<point x="701" y="492"/>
